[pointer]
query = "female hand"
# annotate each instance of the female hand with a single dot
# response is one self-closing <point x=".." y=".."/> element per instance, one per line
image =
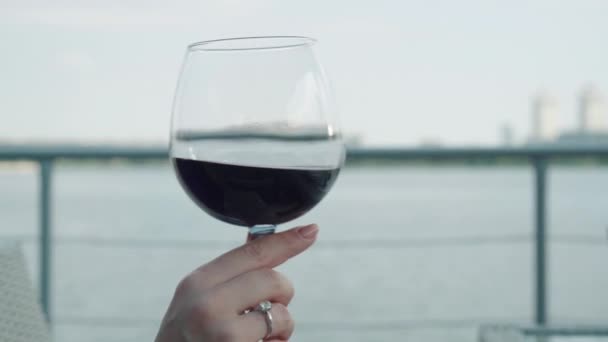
<point x="208" y="304"/>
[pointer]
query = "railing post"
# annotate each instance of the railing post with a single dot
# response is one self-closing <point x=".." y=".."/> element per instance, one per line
<point x="44" y="248"/>
<point x="540" y="240"/>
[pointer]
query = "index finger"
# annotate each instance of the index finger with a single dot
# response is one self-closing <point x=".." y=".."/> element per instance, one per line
<point x="265" y="252"/>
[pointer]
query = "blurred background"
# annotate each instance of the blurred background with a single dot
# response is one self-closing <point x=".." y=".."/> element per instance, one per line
<point x="428" y="249"/>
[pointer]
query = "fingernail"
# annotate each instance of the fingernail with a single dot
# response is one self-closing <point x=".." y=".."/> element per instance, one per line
<point x="308" y="232"/>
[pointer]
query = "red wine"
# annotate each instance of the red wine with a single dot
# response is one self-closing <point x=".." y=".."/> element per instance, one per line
<point x="248" y="196"/>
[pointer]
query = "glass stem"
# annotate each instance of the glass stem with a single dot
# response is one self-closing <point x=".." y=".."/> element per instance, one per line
<point x="260" y="230"/>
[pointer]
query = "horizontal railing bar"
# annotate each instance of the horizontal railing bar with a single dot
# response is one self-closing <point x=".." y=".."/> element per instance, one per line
<point x="481" y="152"/>
<point x="578" y="330"/>
<point x="35" y="152"/>
<point x="46" y="151"/>
<point x="367" y="325"/>
<point x="464" y="241"/>
<point x="566" y="331"/>
<point x="361" y="325"/>
<point x="340" y="244"/>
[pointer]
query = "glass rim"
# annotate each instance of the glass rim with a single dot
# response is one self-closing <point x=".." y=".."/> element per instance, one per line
<point x="264" y="43"/>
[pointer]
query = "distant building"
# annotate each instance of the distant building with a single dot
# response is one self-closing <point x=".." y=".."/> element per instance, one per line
<point x="506" y="135"/>
<point x="594" y="139"/>
<point x="353" y="140"/>
<point x="430" y="143"/>
<point x="592" y="128"/>
<point x="544" y="113"/>
<point x="592" y="111"/>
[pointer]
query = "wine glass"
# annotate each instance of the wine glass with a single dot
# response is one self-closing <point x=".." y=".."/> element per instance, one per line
<point x="255" y="141"/>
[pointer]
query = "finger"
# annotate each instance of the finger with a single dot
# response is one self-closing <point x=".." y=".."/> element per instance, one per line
<point x="266" y="252"/>
<point x="253" y="325"/>
<point x="248" y="289"/>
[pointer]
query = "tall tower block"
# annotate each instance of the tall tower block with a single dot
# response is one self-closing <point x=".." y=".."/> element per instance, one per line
<point x="544" y="114"/>
<point x="592" y="110"/>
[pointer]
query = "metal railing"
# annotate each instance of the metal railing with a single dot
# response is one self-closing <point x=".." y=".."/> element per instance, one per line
<point x="538" y="158"/>
<point x="515" y="333"/>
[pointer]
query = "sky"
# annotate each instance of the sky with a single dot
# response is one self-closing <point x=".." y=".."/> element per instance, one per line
<point x="404" y="72"/>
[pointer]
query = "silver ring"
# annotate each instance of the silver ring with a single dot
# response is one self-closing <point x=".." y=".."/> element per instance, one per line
<point x="264" y="307"/>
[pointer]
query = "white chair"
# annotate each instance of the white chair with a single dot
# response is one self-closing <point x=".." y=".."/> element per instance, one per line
<point x="21" y="318"/>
